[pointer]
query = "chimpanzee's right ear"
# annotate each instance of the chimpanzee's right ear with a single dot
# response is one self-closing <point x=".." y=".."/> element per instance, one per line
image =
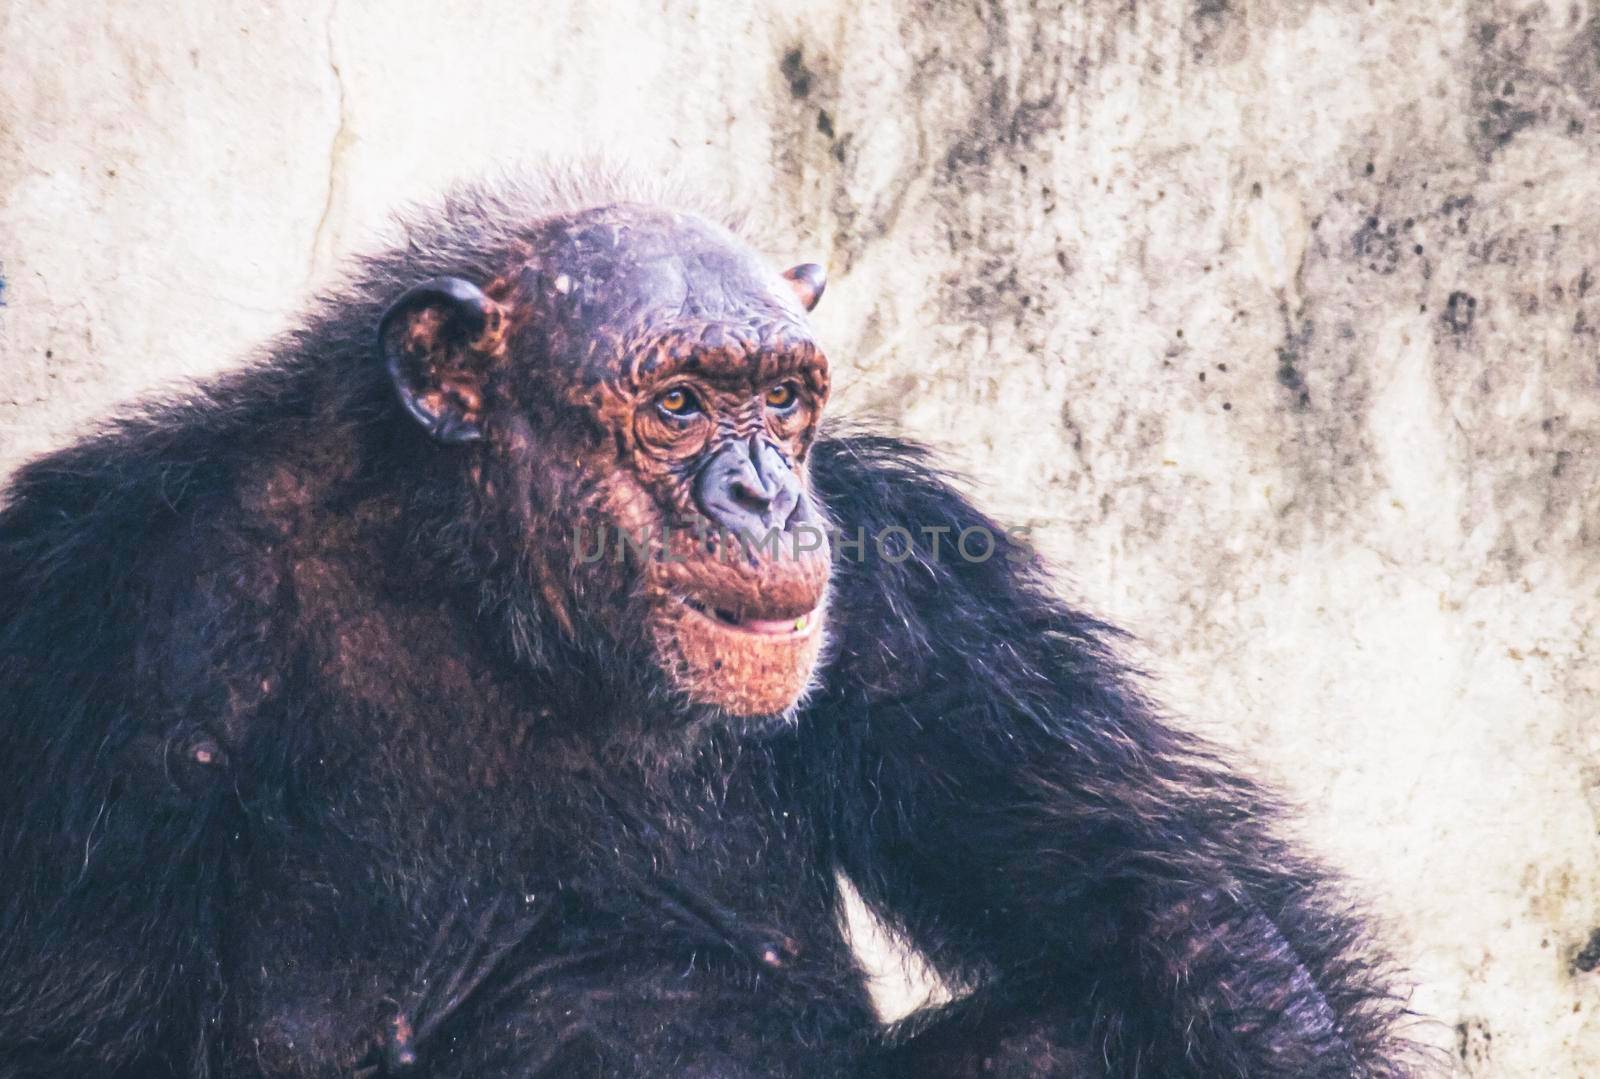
<point x="438" y="341"/>
<point x="808" y="281"/>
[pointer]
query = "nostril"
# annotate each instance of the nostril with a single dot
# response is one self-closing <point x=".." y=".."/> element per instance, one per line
<point x="749" y="496"/>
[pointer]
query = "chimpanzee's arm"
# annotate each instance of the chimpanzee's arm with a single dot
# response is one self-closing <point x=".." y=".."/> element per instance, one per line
<point x="112" y="780"/>
<point x="1112" y="896"/>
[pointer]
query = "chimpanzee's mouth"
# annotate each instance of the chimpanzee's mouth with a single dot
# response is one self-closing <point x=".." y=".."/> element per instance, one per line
<point x="798" y="626"/>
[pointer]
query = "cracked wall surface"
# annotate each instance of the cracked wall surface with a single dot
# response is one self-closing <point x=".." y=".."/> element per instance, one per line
<point x="1275" y="322"/>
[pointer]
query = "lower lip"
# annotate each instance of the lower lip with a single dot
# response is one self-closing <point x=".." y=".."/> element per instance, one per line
<point x="763" y="627"/>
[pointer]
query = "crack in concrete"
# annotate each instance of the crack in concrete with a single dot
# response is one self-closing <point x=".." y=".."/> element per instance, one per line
<point x="321" y="242"/>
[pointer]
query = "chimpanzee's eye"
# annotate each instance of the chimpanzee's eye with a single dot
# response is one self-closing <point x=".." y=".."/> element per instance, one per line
<point x="782" y="396"/>
<point x="678" y="402"/>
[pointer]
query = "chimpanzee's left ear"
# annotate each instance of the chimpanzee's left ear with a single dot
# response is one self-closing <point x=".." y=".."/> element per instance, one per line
<point x="438" y="341"/>
<point x="808" y="281"/>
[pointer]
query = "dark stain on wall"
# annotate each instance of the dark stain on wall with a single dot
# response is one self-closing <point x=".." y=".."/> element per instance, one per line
<point x="1324" y="392"/>
<point x="1537" y="68"/>
<point x="813" y="131"/>
<point x="1290" y="378"/>
<point x="1378" y="244"/>
<point x="1213" y="31"/>
<point x="1011" y="86"/>
<point x="814" y="84"/>
<point x="795" y="72"/>
<point x="1582" y="66"/>
<point x="1588" y="957"/>
<point x="1460" y="311"/>
<point x="1474" y="1040"/>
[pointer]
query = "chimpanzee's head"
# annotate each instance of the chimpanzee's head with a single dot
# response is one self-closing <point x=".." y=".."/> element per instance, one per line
<point x="634" y="394"/>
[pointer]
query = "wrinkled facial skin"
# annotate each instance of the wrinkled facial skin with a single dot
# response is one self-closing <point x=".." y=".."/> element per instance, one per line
<point x="687" y="387"/>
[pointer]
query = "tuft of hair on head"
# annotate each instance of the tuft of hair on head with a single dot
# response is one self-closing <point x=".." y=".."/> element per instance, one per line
<point x="492" y="212"/>
<point x="479" y="226"/>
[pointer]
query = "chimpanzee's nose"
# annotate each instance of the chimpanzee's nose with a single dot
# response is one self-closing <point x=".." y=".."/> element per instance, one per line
<point x="747" y="487"/>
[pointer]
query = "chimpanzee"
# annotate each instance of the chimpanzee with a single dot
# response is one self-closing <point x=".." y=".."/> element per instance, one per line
<point x="340" y="739"/>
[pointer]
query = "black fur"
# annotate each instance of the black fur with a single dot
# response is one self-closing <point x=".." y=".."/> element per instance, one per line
<point x="298" y="783"/>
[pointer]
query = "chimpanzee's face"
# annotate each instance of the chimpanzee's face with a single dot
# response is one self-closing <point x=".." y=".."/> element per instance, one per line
<point x="649" y="393"/>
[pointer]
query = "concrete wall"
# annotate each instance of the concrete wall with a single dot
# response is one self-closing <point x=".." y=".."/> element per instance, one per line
<point x="1276" y="320"/>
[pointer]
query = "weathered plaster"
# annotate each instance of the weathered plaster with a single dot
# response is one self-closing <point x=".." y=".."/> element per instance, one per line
<point x="1277" y="322"/>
